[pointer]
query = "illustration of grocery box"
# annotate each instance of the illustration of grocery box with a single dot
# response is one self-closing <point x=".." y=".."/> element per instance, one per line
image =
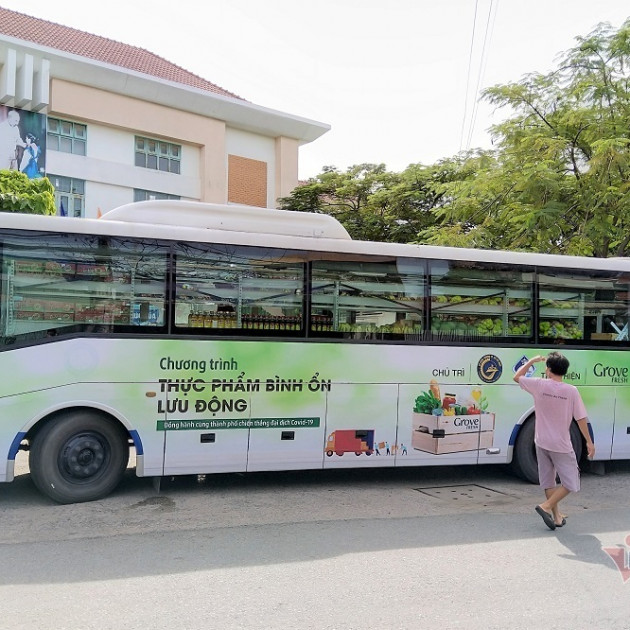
<point x="440" y="434"/>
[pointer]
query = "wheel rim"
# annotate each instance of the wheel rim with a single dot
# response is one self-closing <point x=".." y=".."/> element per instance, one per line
<point x="83" y="457"/>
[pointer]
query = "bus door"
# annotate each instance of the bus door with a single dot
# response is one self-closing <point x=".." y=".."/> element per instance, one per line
<point x="454" y="432"/>
<point x="361" y="425"/>
<point x="205" y="434"/>
<point x="286" y="429"/>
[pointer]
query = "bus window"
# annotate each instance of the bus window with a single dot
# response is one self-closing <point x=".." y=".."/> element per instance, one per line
<point x="583" y="306"/>
<point x="54" y="284"/>
<point x="368" y="300"/>
<point x="475" y="301"/>
<point x="223" y="288"/>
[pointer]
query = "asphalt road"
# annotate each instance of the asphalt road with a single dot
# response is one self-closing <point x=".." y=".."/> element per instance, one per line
<point x="398" y="549"/>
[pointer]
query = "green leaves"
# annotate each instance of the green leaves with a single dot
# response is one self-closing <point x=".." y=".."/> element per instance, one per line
<point x="18" y="193"/>
<point x="559" y="179"/>
<point x="426" y="403"/>
<point x="372" y="203"/>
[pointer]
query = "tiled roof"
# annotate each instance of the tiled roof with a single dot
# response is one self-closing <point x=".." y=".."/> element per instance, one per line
<point x="72" y="40"/>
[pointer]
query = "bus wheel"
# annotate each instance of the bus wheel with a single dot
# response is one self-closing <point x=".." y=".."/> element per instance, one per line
<point x="79" y="456"/>
<point x="524" y="462"/>
<point x="577" y="441"/>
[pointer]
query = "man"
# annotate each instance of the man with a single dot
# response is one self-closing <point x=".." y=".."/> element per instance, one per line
<point x="556" y="404"/>
<point x="10" y="139"/>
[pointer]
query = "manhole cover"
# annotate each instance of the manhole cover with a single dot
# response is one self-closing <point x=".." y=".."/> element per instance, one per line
<point x="462" y="493"/>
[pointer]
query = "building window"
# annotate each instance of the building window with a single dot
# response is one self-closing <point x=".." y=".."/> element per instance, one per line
<point x="158" y="155"/>
<point x="146" y="195"/>
<point x="69" y="195"/>
<point x="66" y="136"/>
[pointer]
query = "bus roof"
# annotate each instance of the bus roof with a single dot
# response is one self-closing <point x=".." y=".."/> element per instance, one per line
<point x="320" y="235"/>
<point x="232" y="217"/>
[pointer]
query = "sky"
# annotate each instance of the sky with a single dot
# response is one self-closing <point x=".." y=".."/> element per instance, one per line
<point x="397" y="80"/>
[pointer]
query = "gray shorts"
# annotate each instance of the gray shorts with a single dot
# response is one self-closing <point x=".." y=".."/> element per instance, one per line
<point x="564" y="465"/>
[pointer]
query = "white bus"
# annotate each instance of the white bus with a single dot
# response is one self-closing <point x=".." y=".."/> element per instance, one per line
<point x="214" y="339"/>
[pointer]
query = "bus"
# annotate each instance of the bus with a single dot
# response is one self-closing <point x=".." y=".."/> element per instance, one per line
<point x="205" y="338"/>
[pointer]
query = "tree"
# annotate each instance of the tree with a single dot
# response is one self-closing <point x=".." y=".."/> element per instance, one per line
<point x="371" y="202"/>
<point x="559" y="179"/>
<point x="18" y="193"/>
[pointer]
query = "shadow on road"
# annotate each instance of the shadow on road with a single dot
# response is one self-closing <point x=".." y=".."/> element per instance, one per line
<point x="139" y="532"/>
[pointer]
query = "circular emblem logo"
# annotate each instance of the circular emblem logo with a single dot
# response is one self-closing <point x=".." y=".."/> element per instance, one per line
<point x="489" y="368"/>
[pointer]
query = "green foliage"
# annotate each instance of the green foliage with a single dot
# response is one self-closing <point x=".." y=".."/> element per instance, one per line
<point x="18" y="193"/>
<point x="371" y="202"/>
<point x="559" y="178"/>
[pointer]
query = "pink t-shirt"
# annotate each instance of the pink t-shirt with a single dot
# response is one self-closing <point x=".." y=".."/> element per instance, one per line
<point x="556" y="404"/>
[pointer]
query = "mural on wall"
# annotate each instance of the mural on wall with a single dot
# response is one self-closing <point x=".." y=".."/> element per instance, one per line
<point x="22" y="141"/>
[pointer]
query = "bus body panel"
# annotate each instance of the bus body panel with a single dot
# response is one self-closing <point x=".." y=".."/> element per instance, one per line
<point x="423" y="435"/>
<point x="187" y="453"/>
<point x="621" y="440"/>
<point x="287" y="429"/>
<point x="600" y="406"/>
<point x="360" y="412"/>
<point x="266" y="388"/>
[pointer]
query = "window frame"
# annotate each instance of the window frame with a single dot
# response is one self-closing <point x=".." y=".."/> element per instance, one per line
<point x="151" y="154"/>
<point x="75" y="136"/>
<point x="305" y="266"/>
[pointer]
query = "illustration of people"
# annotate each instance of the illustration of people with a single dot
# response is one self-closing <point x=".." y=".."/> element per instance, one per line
<point x="387" y="449"/>
<point x="10" y="140"/>
<point x="376" y="451"/>
<point x="403" y="449"/>
<point x="30" y="157"/>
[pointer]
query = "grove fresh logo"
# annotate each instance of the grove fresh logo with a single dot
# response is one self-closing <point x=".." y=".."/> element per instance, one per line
<point x="615" y="374"/>
<point x="489" y="368"/>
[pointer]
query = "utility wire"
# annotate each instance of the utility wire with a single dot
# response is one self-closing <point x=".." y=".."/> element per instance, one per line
<point x="482" y="66"/>
<point x="470" y="56"/>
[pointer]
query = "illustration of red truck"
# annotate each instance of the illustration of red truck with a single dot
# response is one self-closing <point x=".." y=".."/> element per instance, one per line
<point x="355" y="441"/>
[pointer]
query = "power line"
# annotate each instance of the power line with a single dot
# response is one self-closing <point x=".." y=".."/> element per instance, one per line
<point x="482" y="65"/>
<point x="470" y="57"/>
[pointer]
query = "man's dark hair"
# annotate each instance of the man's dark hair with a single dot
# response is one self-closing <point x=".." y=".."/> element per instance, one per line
<point x="557" y="363"/>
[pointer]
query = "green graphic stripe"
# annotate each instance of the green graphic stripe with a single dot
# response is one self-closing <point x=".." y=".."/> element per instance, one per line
<point x="237" y="423"/>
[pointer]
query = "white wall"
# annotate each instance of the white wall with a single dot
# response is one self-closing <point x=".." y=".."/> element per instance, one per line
<point x="104" y="197"/>
<point x="109" y="170"/>
<point x="255" y="147"/>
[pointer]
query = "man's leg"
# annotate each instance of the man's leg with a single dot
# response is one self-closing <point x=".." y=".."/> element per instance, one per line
<point x="567" y="467"/>
<point x="546" y="472"/>
<point x="557" y="515"/>
<point x="554" y="496"/>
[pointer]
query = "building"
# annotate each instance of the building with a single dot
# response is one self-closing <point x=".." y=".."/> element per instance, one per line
<point x="112" y="123"/>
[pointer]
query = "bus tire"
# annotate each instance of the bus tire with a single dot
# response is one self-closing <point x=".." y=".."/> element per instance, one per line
<point x="79" y="456"/>
<point x="524" y="461"/>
